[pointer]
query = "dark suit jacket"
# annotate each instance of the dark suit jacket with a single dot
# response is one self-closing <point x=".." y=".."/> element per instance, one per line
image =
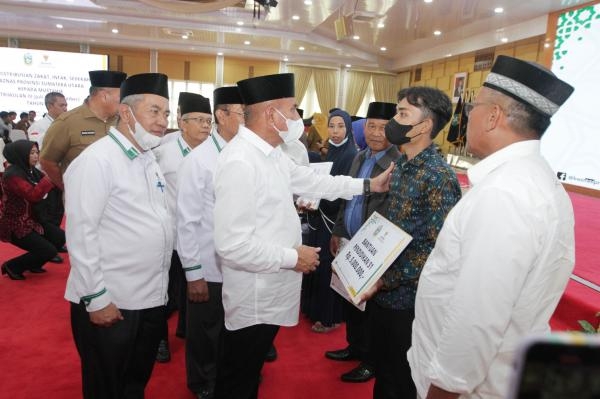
<point x="376" y="201"/>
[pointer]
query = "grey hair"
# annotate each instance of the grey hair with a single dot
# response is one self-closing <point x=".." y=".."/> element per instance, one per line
<point x="51" y="97"/>
<point x="132" y="101"/>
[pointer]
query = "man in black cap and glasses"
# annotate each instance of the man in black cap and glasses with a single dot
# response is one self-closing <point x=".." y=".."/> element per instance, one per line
<point x="259" y="241"/>
<point x="506" y="251"/>
<point x="120" y="238"/>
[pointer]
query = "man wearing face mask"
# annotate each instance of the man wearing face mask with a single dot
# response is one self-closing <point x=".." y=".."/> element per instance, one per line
<point x="120" y="238"/>
<point x="423" y="190"/>
<point x="195" y="123"/>
<point x="74" y="130"/>
<point x="259" y="242"/>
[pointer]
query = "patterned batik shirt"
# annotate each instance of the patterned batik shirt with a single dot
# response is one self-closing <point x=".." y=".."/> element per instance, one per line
<point x="422" y="192"/>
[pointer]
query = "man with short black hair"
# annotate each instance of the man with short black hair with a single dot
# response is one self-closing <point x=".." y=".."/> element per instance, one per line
<point x="23" y="124"/>
<point x="120" y="237"/>
<point x="503" y="259"/>
<point x="56" y="104"/>
<point x="423" y="190"/>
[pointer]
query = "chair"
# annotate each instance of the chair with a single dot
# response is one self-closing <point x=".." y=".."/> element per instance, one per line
<point x="17" y="134"/>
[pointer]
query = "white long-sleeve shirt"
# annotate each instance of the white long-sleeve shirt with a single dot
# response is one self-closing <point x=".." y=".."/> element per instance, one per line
<point x="195" y="206"/>
<point x="499" y="267"/>
<point x="257" y="228"/>
<point x="169" y="156"/>
<point x="119" y="231"/>
<point x="37" y="130"/>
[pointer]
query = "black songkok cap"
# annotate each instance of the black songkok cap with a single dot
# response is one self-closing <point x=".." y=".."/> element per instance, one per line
<point x="107" y="78"/>
<point x="227" y="95"/>
<point x="380" y="110"/>
<point x="528" y="83"/>
<point x="194" y="103"/>
<point x="265" y="88"/>
<point x="183" y="96"/>
<point x="146" y="83"/>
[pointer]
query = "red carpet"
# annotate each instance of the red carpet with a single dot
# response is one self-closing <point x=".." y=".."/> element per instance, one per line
<point x="38" y="357"/>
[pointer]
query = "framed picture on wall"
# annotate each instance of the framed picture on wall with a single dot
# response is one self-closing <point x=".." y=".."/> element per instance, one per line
<point x="459" y="85"/>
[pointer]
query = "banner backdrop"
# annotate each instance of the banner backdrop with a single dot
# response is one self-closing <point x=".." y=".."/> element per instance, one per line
<point x="26" y="76"/>
<point x="572" y="143"/>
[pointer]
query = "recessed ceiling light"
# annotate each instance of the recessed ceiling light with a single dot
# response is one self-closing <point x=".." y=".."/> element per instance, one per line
<point x="383" y="48"/>
<point x="285" y="59"/>
<point x="546" y="45"/>
<point x="238" y="29"/>
<point x="301" y="48"/>
<point x="59" y="26"/>
<point x="308" y="2"/>
<point x="115" y="30"/>
<point x="504" y="40"/>
<point x="240" y="23"/>
<point x="247" y="42"/>
<point x="220" y="53"/>
<point x="498" y="10"/>
<point x="295" y="17"/>
<point x="348" y="66"/>
<point x="184" y="36"/>
<point x="437" y="32"/>
<point x="381" y="25"/>
<point x="356" y="37"/>
<point x="448" y="55"/>
<point x="428" y="1"/>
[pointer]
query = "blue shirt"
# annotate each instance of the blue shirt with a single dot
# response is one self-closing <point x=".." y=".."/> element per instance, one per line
<point x="354" y="209"/>
<point x="422" y="192"/>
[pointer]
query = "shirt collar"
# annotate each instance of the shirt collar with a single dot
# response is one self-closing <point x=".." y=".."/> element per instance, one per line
<point x="258" y="142"/>
<point x="218" y="138"/>
<point x="130" y="151"/>
<point x="421" y="157"/>
<point x="484" y="167"/>
<point x="183" y="146"/>
<point x="377" y="156"/>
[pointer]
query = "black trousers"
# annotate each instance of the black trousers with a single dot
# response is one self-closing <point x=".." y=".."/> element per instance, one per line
<point x="357" y="332"/>
<point x="243" y="358"/>
<point x="40" y="248"/>
<point x="177" y="291"/>
<point x="204" y="336"/>
<point x="117" y="361"/>
<point x="391" y="332"/>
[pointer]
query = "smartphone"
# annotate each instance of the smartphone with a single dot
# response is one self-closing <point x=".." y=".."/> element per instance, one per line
<point x="557" y="366"/>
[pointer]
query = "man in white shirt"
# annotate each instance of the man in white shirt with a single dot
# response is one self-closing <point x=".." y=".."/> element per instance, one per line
<point x="195" y="245"/>
<point x="177" y="133"/>
<point x="257" y="231"/>
<point x="120" y="237"/>
<point x="195" y="123"/>
<point x="505" y="253"/>
<point x="56" y="104"/>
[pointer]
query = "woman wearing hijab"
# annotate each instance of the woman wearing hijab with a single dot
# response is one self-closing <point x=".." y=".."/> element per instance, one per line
<point x="23" y="187"/>
<point x="320" y="303"/>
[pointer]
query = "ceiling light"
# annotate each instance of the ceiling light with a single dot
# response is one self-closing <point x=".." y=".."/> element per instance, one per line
<point x="115" y="30"/>
<point x="383" y="48"/>
<point x="381" y="25"/>
<point x="498" y="10"/>
<point x="356" y="37"/>
<point x="247" y="42"/>
<point x="428" y="1"/>
<point x="348" y="66"/>
<point x="308" y="2"/>
<point x="448" y="55"/>
<point x="59" y="26"/>
<point x="437" y="32"/>
<point x="295" y="17"/>
<point x="546" y="45"/>
<point x="238" y="29"/>
<point x="220" y="53"/>
<point x="184" y="36"/>
<point x="285" y="59"/>
<point x="240" y="23"/>
<point x="504" y="40"/>
<point x="301" y="48"/>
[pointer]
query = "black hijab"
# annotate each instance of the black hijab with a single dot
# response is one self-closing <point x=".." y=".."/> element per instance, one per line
<point x="343" y="155"/>
<point x="17" y="155"/>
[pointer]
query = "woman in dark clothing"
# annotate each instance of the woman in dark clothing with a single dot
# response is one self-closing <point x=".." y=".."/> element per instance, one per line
<point x="319" y="302"/>
<point x="23" y="188"/>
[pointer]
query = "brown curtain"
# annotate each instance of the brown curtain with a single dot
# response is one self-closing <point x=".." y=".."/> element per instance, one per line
<point x="301" y="79"/>
<point x="356" y="87"/>
<point x="326" y="87"/>
<point x="385" y="88"/>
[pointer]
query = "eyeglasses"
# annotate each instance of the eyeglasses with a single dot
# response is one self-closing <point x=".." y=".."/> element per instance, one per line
<point x="468" y="107"/>
<point x="200" y="120"/>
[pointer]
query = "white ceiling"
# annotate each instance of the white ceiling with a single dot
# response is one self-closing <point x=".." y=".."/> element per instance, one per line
<point x="407" y="34"/>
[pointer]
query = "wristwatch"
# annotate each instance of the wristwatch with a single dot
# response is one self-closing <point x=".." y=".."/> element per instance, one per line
<point x="367" y="187"/>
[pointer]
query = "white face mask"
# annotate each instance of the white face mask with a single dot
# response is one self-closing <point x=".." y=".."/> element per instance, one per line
<point x="145" y="139"/>
<point x="294" y="131"/>
<point x="340" y="144"/>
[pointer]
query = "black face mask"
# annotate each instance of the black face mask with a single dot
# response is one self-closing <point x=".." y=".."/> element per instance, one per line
<point x="396" y="132"/>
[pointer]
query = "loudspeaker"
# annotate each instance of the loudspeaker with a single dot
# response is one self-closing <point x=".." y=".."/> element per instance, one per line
<point x="343" y="27"/>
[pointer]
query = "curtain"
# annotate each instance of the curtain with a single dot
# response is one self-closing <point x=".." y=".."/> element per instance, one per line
<point x="356" y="87"/>
<point x="301" y="79"/>
<point x="385" y="88"/>
<point x="325" y="85"/>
